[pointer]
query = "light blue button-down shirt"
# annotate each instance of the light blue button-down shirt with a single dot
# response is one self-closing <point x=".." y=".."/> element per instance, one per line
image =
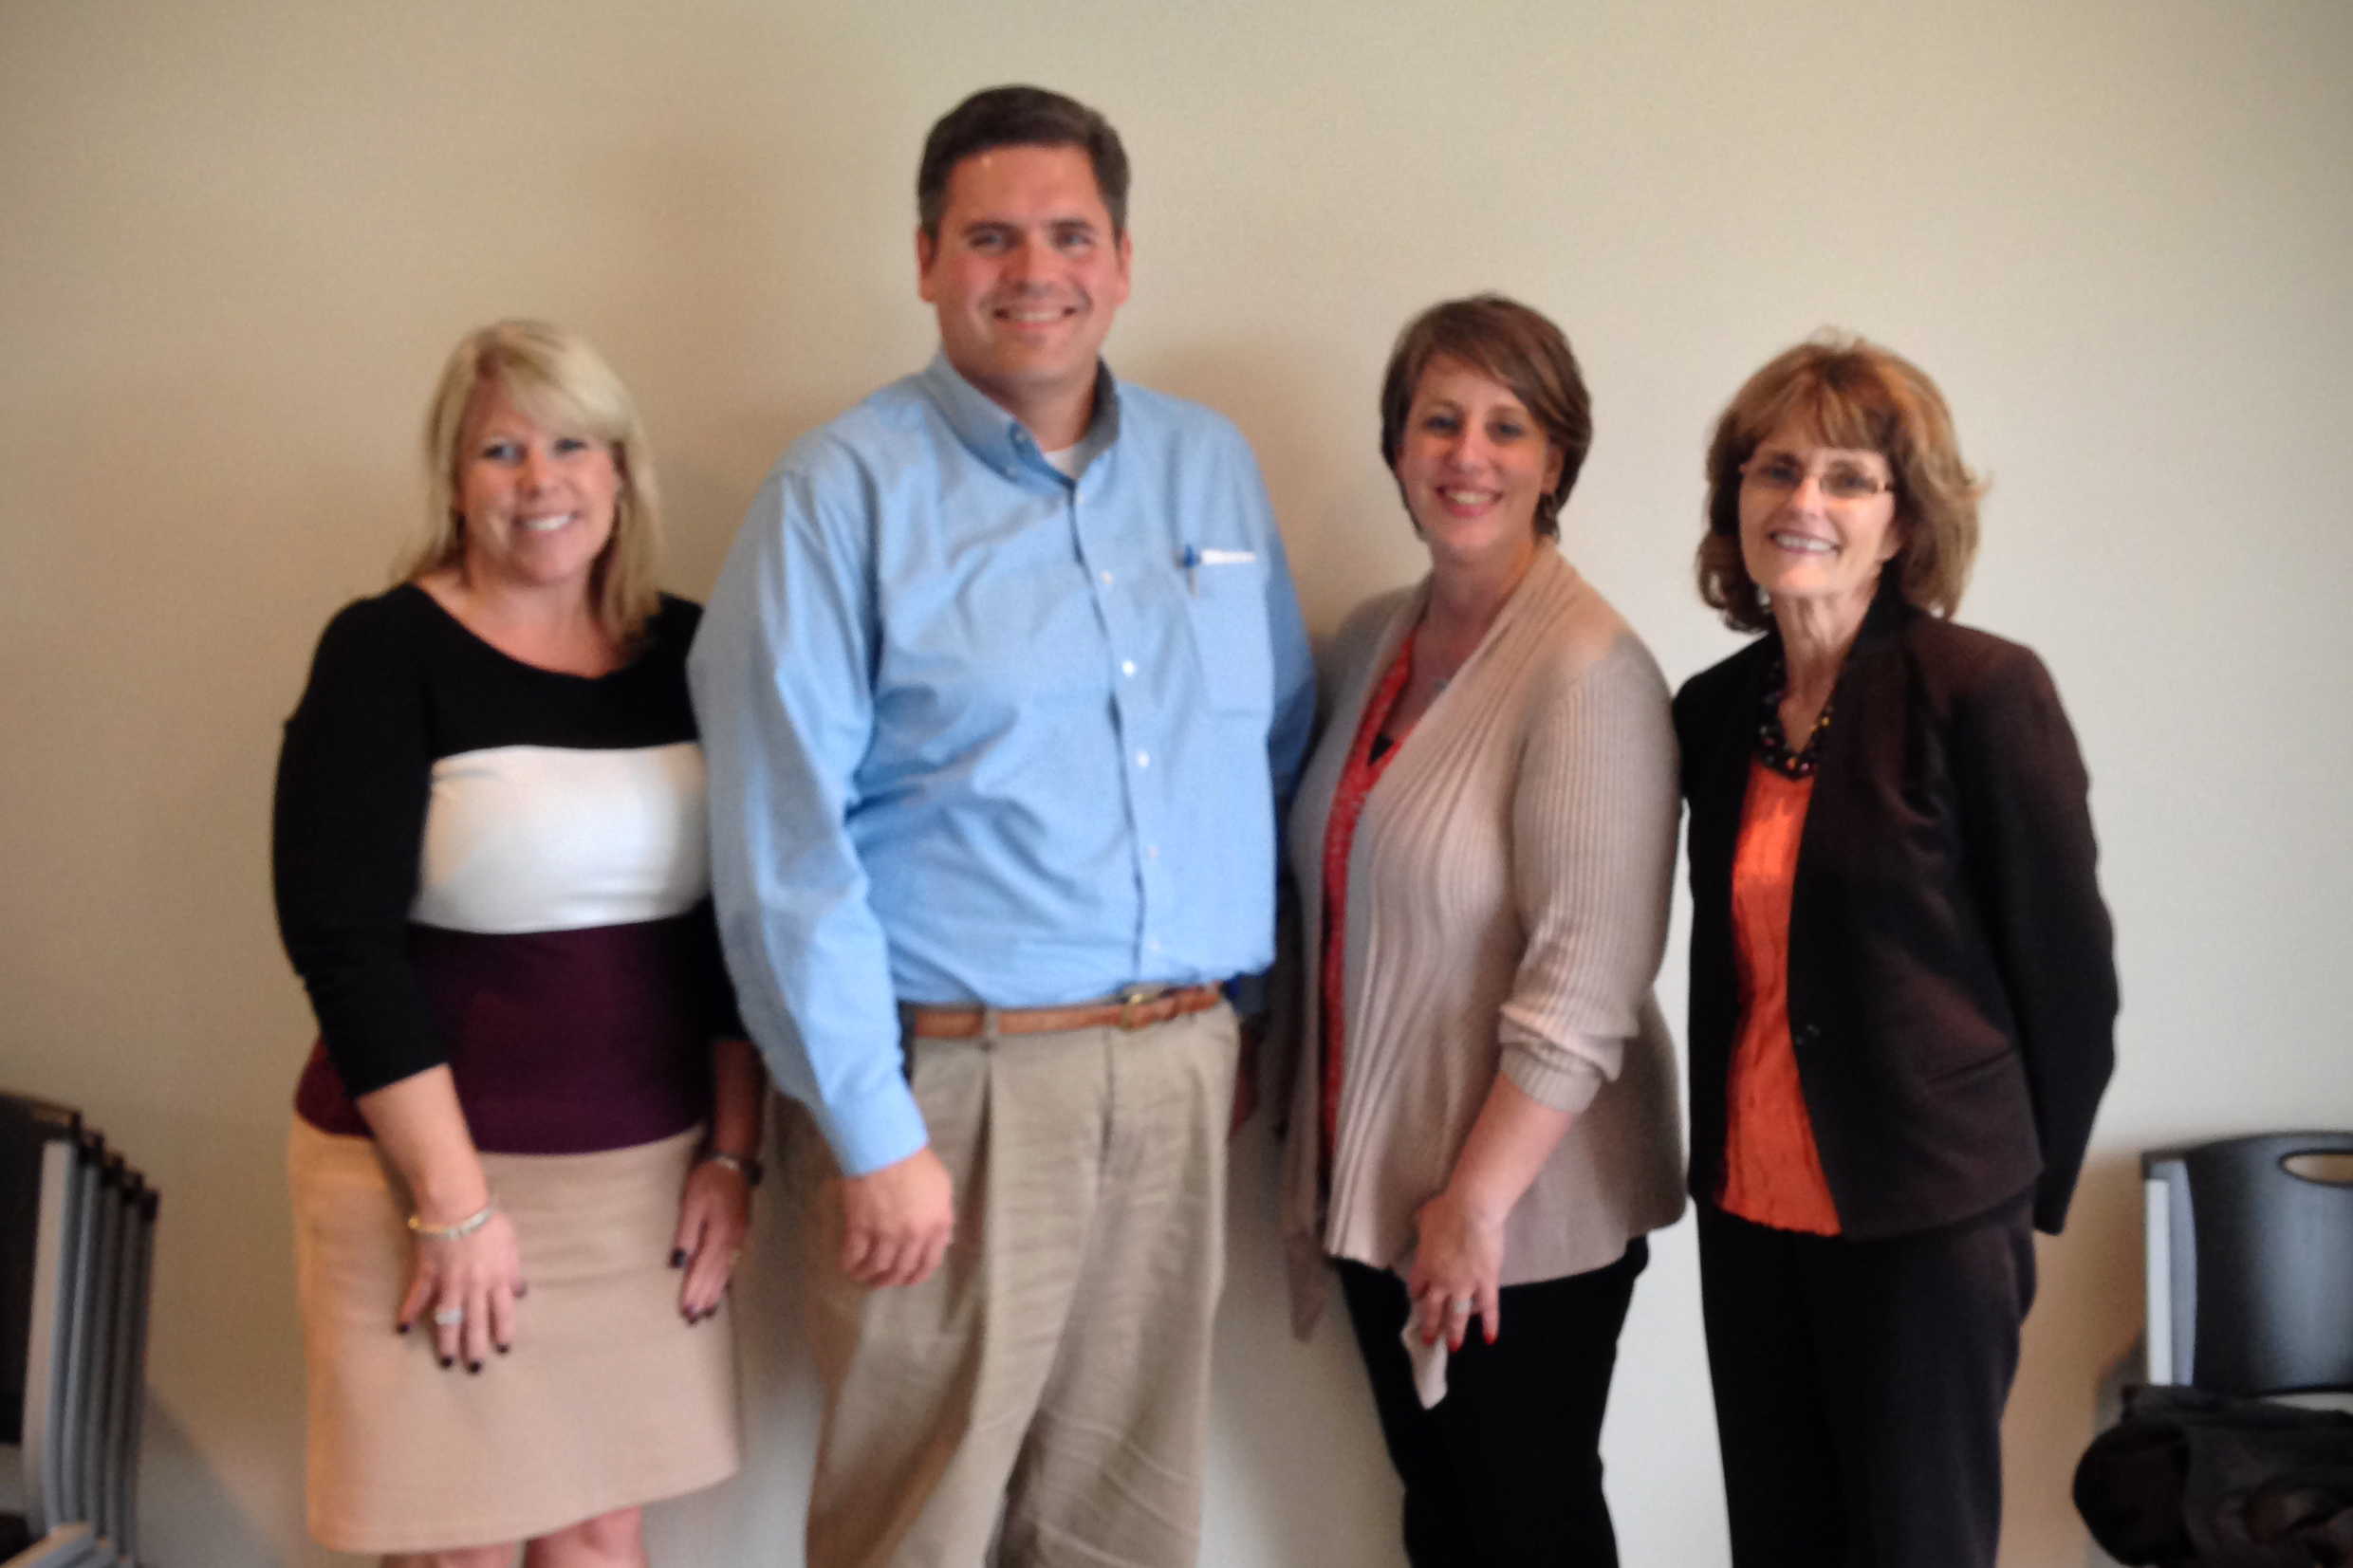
<point x="979" y="733"/>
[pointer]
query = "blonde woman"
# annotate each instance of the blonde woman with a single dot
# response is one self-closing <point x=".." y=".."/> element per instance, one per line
<point x="525" y="1143"/>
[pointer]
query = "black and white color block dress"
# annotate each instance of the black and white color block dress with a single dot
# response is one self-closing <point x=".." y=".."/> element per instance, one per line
<point x="503" y="869"/>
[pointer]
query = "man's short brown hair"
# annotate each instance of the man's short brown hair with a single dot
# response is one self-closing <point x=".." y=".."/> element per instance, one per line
<point x="1019" y="117"/>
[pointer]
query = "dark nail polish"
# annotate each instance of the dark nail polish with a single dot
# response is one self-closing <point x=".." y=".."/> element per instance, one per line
<point x="448" y="1361"/>
<point x="678" y="1257"/>
<point x="400" y="1328"/>
<point x="475" y="1367"/>
<point x="504" y="1349"/>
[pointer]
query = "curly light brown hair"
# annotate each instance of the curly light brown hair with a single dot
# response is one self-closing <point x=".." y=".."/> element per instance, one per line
<point x="1856" y="395"/>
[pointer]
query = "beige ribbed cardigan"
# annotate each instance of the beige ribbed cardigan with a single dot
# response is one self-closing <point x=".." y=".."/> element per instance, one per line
<point x="1506" y="912"/>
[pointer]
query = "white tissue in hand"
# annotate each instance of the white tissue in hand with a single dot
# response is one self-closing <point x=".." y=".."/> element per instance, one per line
<point x="1429" y="1363"/>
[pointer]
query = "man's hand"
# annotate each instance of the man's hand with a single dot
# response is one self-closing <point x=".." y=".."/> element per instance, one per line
<point x="896" y="1221"/>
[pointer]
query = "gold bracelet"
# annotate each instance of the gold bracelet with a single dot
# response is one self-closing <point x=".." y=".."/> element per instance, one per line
<point x="466" y="1227"/>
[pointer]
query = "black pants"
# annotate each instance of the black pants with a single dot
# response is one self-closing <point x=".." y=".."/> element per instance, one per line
<point x="1859" y="1387"/>
<point x="1506" y="1471"/>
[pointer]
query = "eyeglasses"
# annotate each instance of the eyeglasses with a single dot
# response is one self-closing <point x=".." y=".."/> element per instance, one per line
<point x="1845" y="483"/>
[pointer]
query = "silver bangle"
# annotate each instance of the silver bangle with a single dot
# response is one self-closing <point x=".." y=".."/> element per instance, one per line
<point x="466" y="1227"/>
<point x="746" y="1166"/>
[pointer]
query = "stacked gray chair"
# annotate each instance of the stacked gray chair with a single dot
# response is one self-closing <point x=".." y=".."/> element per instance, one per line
<point x="2250" y="1264"/>
<point x="77" y="1248"/>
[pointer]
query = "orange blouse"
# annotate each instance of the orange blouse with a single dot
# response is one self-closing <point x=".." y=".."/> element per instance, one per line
<point x="1773" y="1173"/>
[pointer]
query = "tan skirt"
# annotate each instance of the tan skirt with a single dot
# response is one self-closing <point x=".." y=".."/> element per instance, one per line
<point x="609" y="1399"/>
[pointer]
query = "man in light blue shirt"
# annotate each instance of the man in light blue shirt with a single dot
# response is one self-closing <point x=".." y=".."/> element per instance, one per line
<point x="1003" y="689"/>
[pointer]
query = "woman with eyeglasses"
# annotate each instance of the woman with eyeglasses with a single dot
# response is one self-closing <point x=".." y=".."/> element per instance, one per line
<point x="1901" y="991"/>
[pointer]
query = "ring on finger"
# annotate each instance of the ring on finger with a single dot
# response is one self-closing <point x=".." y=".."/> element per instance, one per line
<point x="1460" y="1306"/>
<point x="450" y="1317"/>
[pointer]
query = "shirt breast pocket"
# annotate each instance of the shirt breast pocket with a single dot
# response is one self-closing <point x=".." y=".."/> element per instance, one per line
<point x="1227" y="606"/>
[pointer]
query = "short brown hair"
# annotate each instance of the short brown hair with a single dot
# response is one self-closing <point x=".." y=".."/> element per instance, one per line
<point x="553" y="376"/>
<point x="1019" y="117"/>
<point x="1856" y="395"/>
<point x="1518" y="347"/>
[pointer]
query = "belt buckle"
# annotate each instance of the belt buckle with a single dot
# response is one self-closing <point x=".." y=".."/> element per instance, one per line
<point x="1133" y="997"/>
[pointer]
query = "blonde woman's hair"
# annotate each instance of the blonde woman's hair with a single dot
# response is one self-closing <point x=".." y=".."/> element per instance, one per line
<point x="553" y="377"/>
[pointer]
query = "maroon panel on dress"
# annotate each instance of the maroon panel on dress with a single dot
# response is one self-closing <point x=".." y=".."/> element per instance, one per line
<point x="563" y="1042"/>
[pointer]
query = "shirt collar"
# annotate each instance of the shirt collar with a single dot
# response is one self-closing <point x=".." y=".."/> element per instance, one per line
<point x="1001" y="441"/>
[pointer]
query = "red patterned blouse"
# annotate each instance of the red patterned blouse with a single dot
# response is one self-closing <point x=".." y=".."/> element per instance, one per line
<point x="1368" y="761"/>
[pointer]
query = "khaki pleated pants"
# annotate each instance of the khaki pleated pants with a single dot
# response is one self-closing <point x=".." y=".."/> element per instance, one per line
<point x="1041" y="1399"/>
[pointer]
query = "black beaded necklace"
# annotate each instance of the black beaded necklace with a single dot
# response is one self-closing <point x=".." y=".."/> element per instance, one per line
<point x="1773" y="747"/>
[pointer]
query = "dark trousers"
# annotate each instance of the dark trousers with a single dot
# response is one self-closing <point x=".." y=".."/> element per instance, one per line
<point x="1506" y="1471"/>
<point x="1859" y="1387"/>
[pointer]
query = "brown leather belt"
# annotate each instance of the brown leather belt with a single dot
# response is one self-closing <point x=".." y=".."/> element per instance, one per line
<point x="1139" y="1010"/>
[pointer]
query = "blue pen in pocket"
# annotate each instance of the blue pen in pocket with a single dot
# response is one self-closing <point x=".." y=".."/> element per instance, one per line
<point x="1195" y="558"/>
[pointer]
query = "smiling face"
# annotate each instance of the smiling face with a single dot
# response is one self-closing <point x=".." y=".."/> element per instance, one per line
<point x="1817" y="522"/>
<point x="538" y="500"/>
<point x="1472" y="463"/>
<point x="1025" y="276"/>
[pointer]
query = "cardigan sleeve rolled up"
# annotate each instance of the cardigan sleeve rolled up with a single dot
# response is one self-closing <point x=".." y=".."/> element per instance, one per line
<point x="1593" y="821"/>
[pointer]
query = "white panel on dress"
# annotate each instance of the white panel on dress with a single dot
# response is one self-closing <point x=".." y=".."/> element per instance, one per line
<point x="540" y="837"/>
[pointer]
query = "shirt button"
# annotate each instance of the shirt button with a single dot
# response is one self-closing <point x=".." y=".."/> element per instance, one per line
<point x="1127" y="667"/>
<point x="1153" y="946"/>
<point x="1107" y="578"/>
<point x="1143" y="759"/>
<point x="1152" y="852"/>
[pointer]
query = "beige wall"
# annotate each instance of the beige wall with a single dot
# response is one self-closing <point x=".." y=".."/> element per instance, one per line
<point x="236" y="239"/>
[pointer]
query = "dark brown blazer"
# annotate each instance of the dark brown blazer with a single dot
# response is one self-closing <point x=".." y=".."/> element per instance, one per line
<point x="1951" y="983"/>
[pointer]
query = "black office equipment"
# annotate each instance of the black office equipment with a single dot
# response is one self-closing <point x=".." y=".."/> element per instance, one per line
<point x="2248" y="1282"/>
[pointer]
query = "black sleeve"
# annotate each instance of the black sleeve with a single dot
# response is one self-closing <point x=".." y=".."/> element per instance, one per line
<point x="721" y="1020"/>
<point x="672" y="635"/>
<point x="2031" y="856"/>
<point x="353" y="781"/>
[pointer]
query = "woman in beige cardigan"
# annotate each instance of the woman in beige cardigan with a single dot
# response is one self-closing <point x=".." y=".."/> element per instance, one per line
<point x="1484" y="1124"/>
